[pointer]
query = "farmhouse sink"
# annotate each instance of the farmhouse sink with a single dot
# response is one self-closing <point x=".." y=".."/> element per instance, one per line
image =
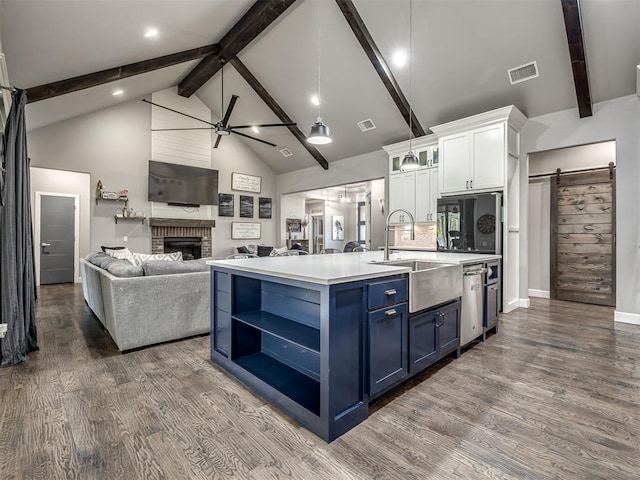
<point x="430" y="283"/>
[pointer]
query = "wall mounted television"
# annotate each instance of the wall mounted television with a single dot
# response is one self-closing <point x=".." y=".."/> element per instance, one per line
<point x="182" y="185"/>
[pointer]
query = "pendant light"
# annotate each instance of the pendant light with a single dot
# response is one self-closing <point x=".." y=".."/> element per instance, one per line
<point x="319" y="133"/>
<point x="346" y="198"/>
<point x="410" y="161"/>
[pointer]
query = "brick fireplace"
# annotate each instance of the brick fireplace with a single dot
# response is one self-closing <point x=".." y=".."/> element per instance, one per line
<point x="192" y="231"/>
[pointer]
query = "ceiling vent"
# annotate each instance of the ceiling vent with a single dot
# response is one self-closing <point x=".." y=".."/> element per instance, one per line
<point x="366" y="125"/>
<point x="523" y="73"/>
<point x="286" y="152"/>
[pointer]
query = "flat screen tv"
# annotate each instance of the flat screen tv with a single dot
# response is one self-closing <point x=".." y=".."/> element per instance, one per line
<point x="182" y="185"/>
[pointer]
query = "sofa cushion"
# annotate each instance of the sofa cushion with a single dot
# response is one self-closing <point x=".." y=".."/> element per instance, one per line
<point x="242" y="249"/>
<point x="159" y="267"/>
<point x="123" y="268"/>
<point x="100" y="259"/>
<point x="140" y="258"/>
<point x="122" y="253"/>
<point x="264" y="251"/>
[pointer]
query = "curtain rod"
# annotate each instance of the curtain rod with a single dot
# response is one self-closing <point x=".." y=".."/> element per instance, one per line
<point x="560" y="172"/>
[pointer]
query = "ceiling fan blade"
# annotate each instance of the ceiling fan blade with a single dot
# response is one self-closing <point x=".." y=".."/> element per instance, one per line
<point x="265" y="125"/>
<point x="253" y="138"/>
<point x="217" y="141"/>
<point x="232" y="104"/>
<point x="176" y="129"/>
<point x="180" y="113"/>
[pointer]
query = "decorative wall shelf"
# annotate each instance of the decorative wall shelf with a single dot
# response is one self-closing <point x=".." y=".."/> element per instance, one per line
<point x="134" y="218"/>
<point x="124" y="200"/>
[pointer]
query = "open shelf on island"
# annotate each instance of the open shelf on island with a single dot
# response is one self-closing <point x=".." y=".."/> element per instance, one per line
<point x="294" y="332"/>
<point x="298" y="387"/>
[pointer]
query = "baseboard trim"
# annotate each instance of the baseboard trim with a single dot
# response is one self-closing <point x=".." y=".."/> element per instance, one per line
<point x="539" y="293"/>
<point x="524" y="303"/>
<point x="623" y="317"/>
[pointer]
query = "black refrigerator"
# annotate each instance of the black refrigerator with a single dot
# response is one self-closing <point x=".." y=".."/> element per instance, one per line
<point x="470" y="223"/>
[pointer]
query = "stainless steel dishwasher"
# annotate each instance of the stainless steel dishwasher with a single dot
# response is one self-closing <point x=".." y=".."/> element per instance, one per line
<point x="472" y="303"/>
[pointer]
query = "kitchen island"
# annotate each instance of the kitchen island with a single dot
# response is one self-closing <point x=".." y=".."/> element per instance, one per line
<point x="322" y="335"/>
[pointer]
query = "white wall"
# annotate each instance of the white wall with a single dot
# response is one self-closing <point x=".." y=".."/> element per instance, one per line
<point x="619" y="120"/>
<point x="350" y="213"/>
<point x="114" y="145"/>
<point x="73" y="183"/>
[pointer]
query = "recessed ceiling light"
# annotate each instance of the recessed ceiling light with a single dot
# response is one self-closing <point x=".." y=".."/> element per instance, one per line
<point x="117" y="92"/>
<point x="400" y="58"/>
<point x="255" y="129"/>
<point x="150" y="33"/>
<point x="315" y="100"/>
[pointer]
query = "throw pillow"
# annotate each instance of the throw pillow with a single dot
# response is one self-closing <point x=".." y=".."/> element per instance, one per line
<point x="140" y="258"/>
<point x="277" y="252"/>
<point x="104" y="249"/>
<point x="264" y="251"/>
<point x="120" y="254"/>
<point x="243" y="249"/>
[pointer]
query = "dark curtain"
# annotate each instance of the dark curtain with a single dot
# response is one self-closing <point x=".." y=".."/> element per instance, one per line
<point x="17" y="269"/>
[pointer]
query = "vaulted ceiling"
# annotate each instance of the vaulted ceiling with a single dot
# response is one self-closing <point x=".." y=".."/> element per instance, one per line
<point x="461" y="52"/>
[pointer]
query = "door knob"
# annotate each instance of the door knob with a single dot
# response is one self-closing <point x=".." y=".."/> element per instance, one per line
<point x="43" y="245"/>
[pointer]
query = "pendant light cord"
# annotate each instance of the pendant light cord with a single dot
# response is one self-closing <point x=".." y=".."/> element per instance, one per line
<point x="410" y="70"/>
<point x="319" y="52"/>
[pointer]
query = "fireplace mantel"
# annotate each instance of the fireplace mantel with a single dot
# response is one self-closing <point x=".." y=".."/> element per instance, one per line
<point x="181" y="222"/>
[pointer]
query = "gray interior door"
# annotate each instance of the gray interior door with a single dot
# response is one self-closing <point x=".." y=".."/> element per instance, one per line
<point x="56" y="239"/>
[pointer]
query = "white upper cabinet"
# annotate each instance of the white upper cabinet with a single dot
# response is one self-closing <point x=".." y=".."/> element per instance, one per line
<point x="402" y="195"/>
<point x="426" y="195"/>
<point x="473" y="151"/>
<point x="414" y="191"/>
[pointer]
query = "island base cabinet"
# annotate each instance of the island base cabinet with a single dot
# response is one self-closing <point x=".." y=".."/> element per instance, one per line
<point x="300" y="345"/>
<point x="433" y="334"/>
<point x="387" y="347"/>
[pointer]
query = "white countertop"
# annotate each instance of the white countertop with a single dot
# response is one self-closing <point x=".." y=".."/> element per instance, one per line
<point x="342" y="267"/>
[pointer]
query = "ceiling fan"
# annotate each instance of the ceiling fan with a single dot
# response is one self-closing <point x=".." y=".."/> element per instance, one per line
<point x="222" y="128"/>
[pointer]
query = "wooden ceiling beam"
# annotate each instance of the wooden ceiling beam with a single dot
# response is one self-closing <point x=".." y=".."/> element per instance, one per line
<point x="377" y="60"/>
<point x="277" y="109"/>
<point x="573" y="25"/>
<point x="70" y="85"/>
<point x="261" y="14"/>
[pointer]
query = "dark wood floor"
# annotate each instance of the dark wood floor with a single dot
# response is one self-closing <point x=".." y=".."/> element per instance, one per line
<point x="556" y="394"/>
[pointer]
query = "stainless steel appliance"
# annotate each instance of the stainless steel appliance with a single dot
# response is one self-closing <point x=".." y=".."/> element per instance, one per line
<point x="472" y="303"/>
<point x="470" y="223"/>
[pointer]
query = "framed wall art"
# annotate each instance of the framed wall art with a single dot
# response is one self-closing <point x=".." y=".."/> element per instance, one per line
<point x="246" y="206"/>
<point x="337" y="227"/>
<point x="264" y="207"/>
<point x="246" y="183"/>
<point x="245" y="230"/>
<point x="225" y="205"/>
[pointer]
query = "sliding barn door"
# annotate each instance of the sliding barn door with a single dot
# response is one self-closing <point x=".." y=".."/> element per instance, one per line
<point x="583" y="237"/>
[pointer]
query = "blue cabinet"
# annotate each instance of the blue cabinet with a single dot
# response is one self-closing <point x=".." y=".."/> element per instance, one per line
<point x="303" y="346"/>
<point x="433" y="334"/>
<point x="387" y="357"/>
<point x="387" y="347"/>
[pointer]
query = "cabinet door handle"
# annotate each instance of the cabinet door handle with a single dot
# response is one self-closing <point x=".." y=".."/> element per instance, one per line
<point x="467" y="185"/>
<point x="470" y="183"/>
<point x="390" y="292"/>
<point x="389" y="313"/>
<point x="45" y="245"/>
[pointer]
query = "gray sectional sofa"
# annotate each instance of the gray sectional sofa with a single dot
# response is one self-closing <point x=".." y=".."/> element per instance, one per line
<point x="141" y="306"/>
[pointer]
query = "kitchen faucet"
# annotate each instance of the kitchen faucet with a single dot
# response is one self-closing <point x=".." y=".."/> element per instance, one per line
<point x="386" y="230"/>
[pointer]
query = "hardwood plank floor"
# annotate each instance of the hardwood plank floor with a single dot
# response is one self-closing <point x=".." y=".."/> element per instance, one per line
<point x="556" y="394"/>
